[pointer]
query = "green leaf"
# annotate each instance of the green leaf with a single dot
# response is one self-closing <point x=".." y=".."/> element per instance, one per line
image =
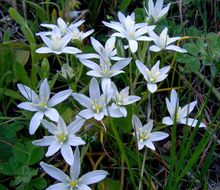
<point x="36" y="153"/>
<point x="22" y="74"/>
<point x="109" y="184"/>
<point x="39" y="183"/>
<point x="124" y="4"/>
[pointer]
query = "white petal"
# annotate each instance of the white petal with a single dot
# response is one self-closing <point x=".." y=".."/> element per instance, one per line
<point x="28" y="93"/>
<point x="87" y="114"/>
<point x="75" y="168"/>
<point x="51" y="26"/>
<point x="84" y="187"/>
<point x="28" y="106"/>
<point x="136" y="123"/>
<point x="176" y="48"/>
<point x="133" y="45"/>
<point x="144" y="38"/>
<point x="191" y="122"/>
<point x="93" y="177"/>
<point x="140" y="145"/>
<point x="94" y="73"/>
<point x="131" y="100"/>
<point x="88" y="56"/>
<point x="44" y="91"/>
<point x="71" y="50"/>
<point x="152" y="87"/>
<point x="121" y="17"/>
<point x="35" y="122"/>
<point x="49" y="126"/>
<point x="52" y="114"/>
<point x="142" y="68"/>
<point x="167" y="121"/>
<point x="47" y="41"/>
<point x="155" y="48"/>
<point x="76" y="125"/>
<point x="171" y="109"/>
<point x="187" y="109"/>
<point x="174" y="100"/>
<point x="149" y="144"/>
<point x="157" y="136"/>
<point x="60" y="186"/>
<point x="149" y="126"/>
<point x="94" y="90"/>
<point x="59" y="97"/>
<point x="54" y="172"/>
<point x="46" y="141"/>
<point x="53" y="148"/>
<point x="171" y="40"/>
<point x="96" y="45"/>
<point x="75" y="141"/>
<point x="92" y="65"/>
<point x="82" y="99"/>
<point x="123" y="111"/>
<point x="67" y="154"/>
<point x="44" y="50"/>
<point x="159" y="5"/>
<point x="98" y="116"/>
<point x="65" y="40"/>
<point x="121" y="64"/>
<point x="110" y="44"/>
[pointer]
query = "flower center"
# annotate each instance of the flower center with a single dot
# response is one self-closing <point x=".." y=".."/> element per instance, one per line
<point x="119" y="99"/>
<point x="178" y="116"/>
<point x="143" y="135"/>
<point x="96" y="106"/>
<point x="152" y="75"/>
<point x="42" y="104"/>
<point x="73" y="183"/>
<point x="56" y="43"/>
<point x="61" y="137"/>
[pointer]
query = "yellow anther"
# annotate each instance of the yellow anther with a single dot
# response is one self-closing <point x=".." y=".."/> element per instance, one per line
<point x="73" y="183"/>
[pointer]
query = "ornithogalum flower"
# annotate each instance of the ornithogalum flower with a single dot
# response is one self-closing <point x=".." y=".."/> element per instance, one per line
<point x="128" y="29"/>
<point x="156" y="12"/>
<point x="163" y="41"/>
<point x="144" y="135"/>
<point x="106" y="53"/>
<point x="154" y="75"/>
<point x="63" y="137"/>
<point x="180" y="114"/>
<point x="41" y="104"/>
<point x="122" y="99"/>
<point x="64" y="27"/>
<point x="105" y="69"/>
<point x="73" y="182"/>
<point x="57" y="44"/>
<point x="96" y="104"/>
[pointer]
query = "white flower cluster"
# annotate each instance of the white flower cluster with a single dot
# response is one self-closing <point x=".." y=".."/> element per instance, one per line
<point x="105" y="101"/>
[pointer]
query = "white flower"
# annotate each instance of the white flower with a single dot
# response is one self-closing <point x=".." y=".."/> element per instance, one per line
<point x="178" y="113"/>
<point x="105" y="53"/>
<point x="156" y="12"/>
<point x="105" y="69"/>
<point x="80" y="35"/>
<point x="163" y="42"/>
<point x="41" y="104"/>
<point x="154" y="75"/>
<point x="63" y="138"/>
<point x="122" y="99"/>
<point x="127" y="28"/>
<point x="57" y="44"/>
<point x="73" y="182"/>
<point x="62" y="25"/>
<point x="144" y="135"/>
<point x="96" y="104"/>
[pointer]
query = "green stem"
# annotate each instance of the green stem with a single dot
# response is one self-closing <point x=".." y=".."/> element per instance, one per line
<point x="142" y="169"/>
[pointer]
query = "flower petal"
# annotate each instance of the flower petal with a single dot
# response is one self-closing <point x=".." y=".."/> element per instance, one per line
<point x="176" y="48"/>
<point x="133" y="45"/>
<point x="46" y="141"/>
<point x="93" y="177"/>
<point x="75" y="141"/>
<point x="44" y="91"/>
<point x="86" y="114"/>
<point x="28" y="93"/>
<point x="82" y="99"/>
<point x="149" y="144"/>
<point x="191" y="122"/>
<point x="167" y="121"/>
<point x="155" y="48"/>
<point x="152" y="87"/>
<point x="54" y="172"/>
<point x="94" y="90"/>
<point x="75" y="168"/>
<point x="67" y="154"/>
<point x="136" y="123"/>
<point x="187" y="109"/>
<point x="53" y="148"/>
<point x="43" y="50"/>
<point x="60" y="186"/>
<point x="35" y="122"/>
<point x="157" y="136"/>
<point x="28" y="106"/>
<point x="92" y="65"/>
<point x="52" y="114"/>
<point x="59" y="97"/>
<point x="71" y="50"/>
<point x="76" y="125"/>
<point x="49" y="126"/>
